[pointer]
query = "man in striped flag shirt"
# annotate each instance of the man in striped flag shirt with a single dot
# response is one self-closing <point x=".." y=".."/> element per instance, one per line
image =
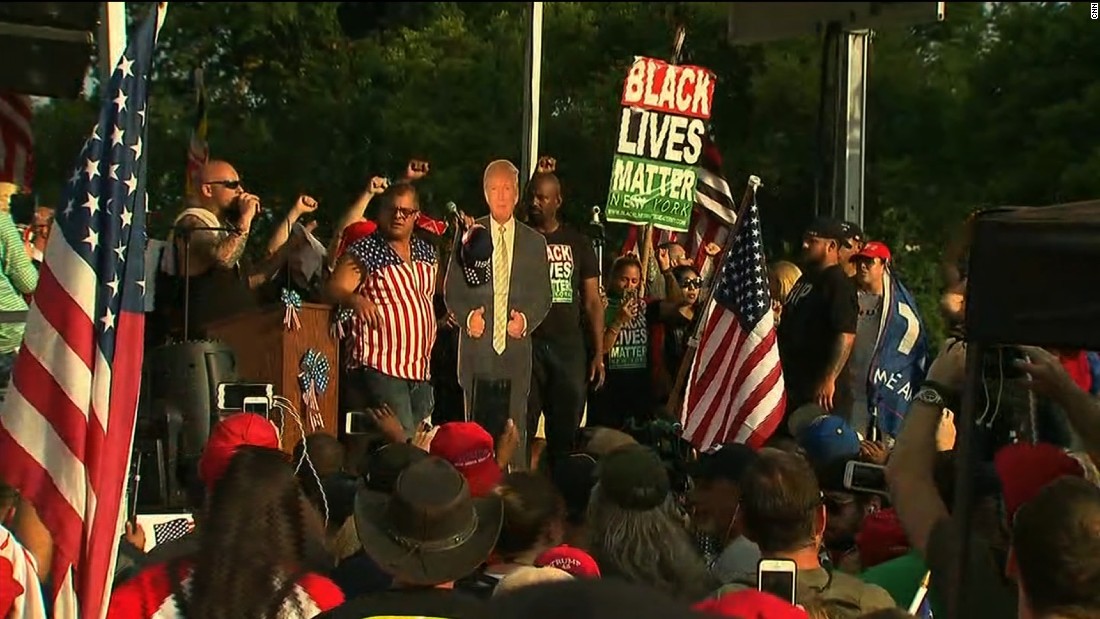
<point x="388" y="280"/>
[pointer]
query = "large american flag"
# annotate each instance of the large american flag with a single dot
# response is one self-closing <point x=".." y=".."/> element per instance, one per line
<point x="711" y="218"/>
<point x="735" y="389"/>
<point x="16" y="140"/>
<point x="67" y="426"/>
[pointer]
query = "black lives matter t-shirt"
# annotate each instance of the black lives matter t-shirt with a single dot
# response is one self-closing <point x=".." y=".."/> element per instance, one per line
<point x="820" y="306"/>
<point x="572" y="260"/>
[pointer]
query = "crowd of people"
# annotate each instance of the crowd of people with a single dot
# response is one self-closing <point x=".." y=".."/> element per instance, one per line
<point x="575" y="496"/>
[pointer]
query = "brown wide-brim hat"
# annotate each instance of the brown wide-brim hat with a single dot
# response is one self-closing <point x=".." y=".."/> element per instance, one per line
<point x="430" y="531"/>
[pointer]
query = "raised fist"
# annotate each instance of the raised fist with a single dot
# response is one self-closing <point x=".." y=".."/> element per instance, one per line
<point x="377" y="185"/>
<point x="417" y="169"/>
<point x="305" y="204"/>
<point x="547" y="165"/>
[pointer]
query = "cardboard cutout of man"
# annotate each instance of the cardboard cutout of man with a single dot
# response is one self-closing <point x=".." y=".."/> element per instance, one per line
<point x="498" y="316"/>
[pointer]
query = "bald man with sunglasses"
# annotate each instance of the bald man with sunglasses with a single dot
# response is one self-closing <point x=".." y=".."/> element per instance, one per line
<point x="213" y="235"/>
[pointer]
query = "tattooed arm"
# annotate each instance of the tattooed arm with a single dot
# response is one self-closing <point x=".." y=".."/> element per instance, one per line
<point x="838" y="358"/>
<point x="208" y="249"/>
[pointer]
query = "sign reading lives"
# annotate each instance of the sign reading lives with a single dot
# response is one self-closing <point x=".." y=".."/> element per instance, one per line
<point x="661" y="130"/>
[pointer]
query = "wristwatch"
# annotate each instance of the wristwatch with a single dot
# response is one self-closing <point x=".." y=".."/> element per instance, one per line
<point x="929" y="395"/>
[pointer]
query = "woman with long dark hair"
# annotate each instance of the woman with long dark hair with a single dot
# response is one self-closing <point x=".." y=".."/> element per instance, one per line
<point x="250" y="556"/>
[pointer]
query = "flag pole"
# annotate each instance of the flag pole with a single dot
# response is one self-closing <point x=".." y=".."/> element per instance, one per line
<point x="645" y="251"/>
<point x="747" y="200"/>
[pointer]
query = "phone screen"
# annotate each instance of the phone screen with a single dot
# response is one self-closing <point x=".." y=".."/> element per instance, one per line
<point x="232" y="396"/>
<point x="865" y="477"/>
<point x="778" y="583"/>
<point x="359" y="422"/>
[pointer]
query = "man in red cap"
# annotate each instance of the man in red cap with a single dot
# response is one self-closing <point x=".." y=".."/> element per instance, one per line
<point x="469" y="448"/>
<point x="890" y="350"/>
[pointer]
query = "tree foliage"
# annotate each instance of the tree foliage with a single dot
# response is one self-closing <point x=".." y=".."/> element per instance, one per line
<point x="996" y="105"/>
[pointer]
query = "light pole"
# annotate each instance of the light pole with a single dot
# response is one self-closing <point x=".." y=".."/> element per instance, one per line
<point x="532" y="93"/>
<point x="112" y="39"/>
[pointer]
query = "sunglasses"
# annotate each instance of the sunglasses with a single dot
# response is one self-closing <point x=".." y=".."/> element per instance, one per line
<point x="692" y="284"/>
<point x="227" y="184"/>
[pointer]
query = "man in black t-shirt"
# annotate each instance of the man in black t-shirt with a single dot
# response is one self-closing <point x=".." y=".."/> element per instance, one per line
<point x="562" y="364"/>
<point x="819" y="322"/>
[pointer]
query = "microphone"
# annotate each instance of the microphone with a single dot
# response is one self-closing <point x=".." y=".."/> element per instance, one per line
<point x="453" y="209"/>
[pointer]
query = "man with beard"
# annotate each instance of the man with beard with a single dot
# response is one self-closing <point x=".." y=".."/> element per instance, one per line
<point x="559" y="365"/>
<point x="207" y="244"/>
<point x="819" y="322"/>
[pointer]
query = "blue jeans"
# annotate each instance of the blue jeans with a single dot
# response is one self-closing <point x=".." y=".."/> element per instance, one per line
<point x="411" y="400"/>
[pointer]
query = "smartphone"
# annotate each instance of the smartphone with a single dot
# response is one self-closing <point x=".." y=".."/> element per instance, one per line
<point x="22" y="208"/>
<point x="258" y="405"/>
<point x="232" y="396"/>
<point x="777" y="577"/>
<point x="864" y="477"/>
<point x="359" y="422"/>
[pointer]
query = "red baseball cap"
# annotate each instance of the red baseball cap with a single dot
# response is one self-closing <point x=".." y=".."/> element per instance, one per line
<point x="574" y="561"/>
<point x="875" y="249"/>
<point x="751" y="604"/>
<point x="1026" y="468"/>
<point x="353" y="233"/>
<point x="881" y="538"/>
<point x="469" y="448"/>
<point x="231" y="433"/>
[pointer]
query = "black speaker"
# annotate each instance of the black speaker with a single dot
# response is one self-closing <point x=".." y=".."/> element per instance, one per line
<point x="180" y="407"/>
<point x="1032" y="277"/>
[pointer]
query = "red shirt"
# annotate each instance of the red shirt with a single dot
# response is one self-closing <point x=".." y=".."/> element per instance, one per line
<point x="149" y="596"/>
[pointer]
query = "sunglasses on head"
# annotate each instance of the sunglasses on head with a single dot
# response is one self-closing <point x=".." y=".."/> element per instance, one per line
<point x="227" y="184"/>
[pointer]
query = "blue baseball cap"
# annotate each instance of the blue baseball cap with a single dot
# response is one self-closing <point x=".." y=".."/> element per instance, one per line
<point x="828" y="438"/>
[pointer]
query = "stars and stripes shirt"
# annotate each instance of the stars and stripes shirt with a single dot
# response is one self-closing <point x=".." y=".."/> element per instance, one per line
<point x="403" y="292"/>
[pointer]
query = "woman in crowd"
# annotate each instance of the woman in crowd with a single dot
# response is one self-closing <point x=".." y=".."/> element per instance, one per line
<point x="250" y="557"/>
<point x="782" y="276"/>
<point x="636" y="531"/>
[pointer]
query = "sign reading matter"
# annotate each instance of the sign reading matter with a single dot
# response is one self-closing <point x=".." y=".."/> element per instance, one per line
<point x="661" y="130"/>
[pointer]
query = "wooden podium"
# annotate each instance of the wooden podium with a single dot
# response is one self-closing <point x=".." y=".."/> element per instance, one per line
<point x="268" y="353"/>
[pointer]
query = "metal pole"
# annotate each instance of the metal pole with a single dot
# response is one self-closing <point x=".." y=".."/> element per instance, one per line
<point x="851" y="125"/>
<point x="112" y="39"/>
<point x="532" y="94"/>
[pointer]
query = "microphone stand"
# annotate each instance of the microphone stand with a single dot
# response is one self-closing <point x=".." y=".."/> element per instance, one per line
<point x="598" y="239"/>
<point x="186" y="232"/>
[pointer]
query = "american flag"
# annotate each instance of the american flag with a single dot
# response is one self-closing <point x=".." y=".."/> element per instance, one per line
<point x="735" y="389"/>
<point x="198" y="152"/>
<point x="172" y="530"/>
<point x="713" y="215"/>
<point x="16" y="140"/>
<point x="67" y="426"/>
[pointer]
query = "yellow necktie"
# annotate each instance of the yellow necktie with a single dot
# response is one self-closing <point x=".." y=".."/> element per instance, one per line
<point x="501" y="276"/>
